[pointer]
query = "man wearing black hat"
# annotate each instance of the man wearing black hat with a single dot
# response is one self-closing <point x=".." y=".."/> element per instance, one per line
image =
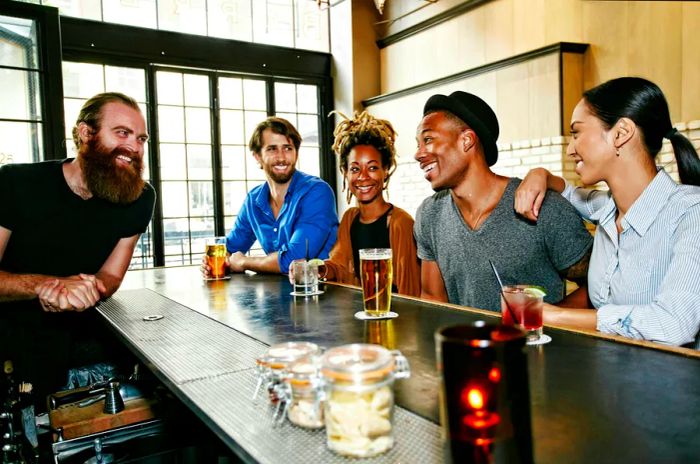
<point x="471" y="219"/>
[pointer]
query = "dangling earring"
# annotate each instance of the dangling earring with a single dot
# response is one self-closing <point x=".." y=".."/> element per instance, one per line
<point x="348" y="193"/>
<point x="617" y="151"/>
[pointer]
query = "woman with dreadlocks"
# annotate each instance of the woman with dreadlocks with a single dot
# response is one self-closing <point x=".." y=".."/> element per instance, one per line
<point x="365" y="147"/>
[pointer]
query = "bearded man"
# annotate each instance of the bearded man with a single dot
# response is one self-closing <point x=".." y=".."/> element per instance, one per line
<point x="68" y="229"/>
<point x="292" y="214"/>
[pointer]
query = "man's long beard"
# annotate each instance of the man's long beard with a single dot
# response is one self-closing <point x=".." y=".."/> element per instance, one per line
<point x="107" y="180"/>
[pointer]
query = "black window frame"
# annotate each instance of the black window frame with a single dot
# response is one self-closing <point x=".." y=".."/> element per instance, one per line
<point x="116" y="45"/>
<point x="50" y="75"/>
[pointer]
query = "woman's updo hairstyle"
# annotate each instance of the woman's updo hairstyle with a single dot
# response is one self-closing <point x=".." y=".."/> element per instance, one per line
<point x="365" y="129"/>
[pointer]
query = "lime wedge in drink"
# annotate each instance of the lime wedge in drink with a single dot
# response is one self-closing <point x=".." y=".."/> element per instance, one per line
<point x="316" y="261"/>
<point x="536" y="291"/>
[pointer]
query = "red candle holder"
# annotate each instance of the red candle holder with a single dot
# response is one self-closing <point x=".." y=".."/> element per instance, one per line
<point x="484" y="395"/>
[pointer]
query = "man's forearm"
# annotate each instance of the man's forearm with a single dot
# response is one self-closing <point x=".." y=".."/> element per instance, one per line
<point x="14" y="287"/>
<point x="265" y="264"/>
<point x="439" y="297"/>
<point x="111" y="283"/>
<point x="576" y="299"/>
<point x="570" y="317"/>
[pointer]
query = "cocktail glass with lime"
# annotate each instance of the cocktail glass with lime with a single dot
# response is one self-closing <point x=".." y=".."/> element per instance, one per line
<point x="525" y="302"/>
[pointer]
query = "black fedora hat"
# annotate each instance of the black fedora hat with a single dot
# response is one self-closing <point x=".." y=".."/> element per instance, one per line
<point x="475" y="112"/>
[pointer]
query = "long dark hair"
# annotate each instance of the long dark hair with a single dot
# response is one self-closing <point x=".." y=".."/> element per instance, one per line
<point x="643" y="102"/>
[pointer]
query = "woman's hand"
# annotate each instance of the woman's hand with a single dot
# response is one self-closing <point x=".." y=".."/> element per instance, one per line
<point x="530" y="193"/>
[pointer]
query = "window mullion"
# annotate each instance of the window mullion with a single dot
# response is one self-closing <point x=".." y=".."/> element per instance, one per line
<point x="154" y="156"/>
<point x="216" y="156"/>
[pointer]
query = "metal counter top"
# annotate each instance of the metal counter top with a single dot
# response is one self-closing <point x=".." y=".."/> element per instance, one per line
<point x="593" y="399"/>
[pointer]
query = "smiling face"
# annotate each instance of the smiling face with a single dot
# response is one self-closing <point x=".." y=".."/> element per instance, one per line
<point x="365" y="174"/>
<point x="440" y="154"/>
<point x="111" y="158"/>
<point x="277" y="157"/>
<point x="591" y="145"/>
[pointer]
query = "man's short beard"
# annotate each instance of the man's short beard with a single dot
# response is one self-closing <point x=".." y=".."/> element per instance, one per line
<point x="279" y="178"/>
<point x="105" y="179"/>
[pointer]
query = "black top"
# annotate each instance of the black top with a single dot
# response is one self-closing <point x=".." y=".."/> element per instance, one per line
<point x="372" y="235"/>
<point x="56" y="232"/>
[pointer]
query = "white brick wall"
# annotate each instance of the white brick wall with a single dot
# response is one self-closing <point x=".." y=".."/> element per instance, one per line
<point x="408" y="188"/>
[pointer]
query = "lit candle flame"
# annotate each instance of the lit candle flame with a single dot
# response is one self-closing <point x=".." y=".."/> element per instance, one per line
<point x="475" y="398"/>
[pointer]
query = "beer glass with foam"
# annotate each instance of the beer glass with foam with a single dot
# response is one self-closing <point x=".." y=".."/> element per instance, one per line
<point x="216" y="256"/>
<point x="377" y="276"/>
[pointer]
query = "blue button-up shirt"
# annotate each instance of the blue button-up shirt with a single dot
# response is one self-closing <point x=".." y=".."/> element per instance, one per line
<point x="308" y="213"/>
<point x="645" y="281"/>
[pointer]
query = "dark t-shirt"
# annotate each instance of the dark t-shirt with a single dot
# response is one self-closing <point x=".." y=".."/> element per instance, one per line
<point x="56" y="232"/>
<point x="372" y="235"/>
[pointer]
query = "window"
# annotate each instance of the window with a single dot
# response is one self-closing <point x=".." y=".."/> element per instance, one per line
<point x="243" y="104"/>
<point x="185" y="160"/>
<point x="21" y="112"/>
<point x="197" y="144"/>
<point x="201" y="99"/>
<point x="290" y="23"/>
<point x="83" y="80"/>
<point x="298" y="103"/>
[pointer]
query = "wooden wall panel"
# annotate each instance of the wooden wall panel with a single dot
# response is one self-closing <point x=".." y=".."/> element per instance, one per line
<point x="469" y="40"/>
<point x="656" y="40"/>
<point x="655" y="47"/>
<point x="528" y="25"/>
<point x="365" y="54"/>
<point x="543" y="109"/>
<point x="498" y="19"/>
<point x="572" y="87"/>
<point x="607" y="54"/>
<point x="563" y="21"/>
<point x="521" y="96"/>
<point x="513" y="92"/>
<point x="690" y="62"/>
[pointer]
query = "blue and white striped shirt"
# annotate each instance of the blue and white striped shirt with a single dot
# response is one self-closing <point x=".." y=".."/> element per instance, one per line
<point x="645" y="281"/>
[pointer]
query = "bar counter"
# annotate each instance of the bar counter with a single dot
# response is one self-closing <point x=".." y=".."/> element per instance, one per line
<point x="593" y="398"/>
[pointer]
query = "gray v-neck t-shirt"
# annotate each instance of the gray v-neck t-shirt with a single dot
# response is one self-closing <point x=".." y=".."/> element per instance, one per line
<point x="524" y="252"/>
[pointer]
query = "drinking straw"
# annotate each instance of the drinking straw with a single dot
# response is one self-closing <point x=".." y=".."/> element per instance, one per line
<point x="307" y="249"/>
<point x="500" y="284"/>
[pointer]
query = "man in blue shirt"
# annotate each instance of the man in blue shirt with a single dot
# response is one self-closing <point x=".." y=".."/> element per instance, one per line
<point x="285" y="213"/>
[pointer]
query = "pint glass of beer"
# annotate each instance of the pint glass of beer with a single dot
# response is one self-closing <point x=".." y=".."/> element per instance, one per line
<point x="216" y="256"/>
<point x="377" y="275"/>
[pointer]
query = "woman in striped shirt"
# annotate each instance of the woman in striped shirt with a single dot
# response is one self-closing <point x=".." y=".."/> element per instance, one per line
<point x="644" y="274"/>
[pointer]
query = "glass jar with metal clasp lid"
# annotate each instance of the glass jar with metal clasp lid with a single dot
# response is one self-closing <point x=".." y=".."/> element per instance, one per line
<point x="303" y="395"/>
<point x="359" y="398"/>
<point x="271" y="367"/>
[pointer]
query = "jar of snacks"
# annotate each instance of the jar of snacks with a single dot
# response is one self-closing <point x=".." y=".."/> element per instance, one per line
<point x="305" y="404"/>
<point x="272" y="366"/>
<point x="359" y="397"/>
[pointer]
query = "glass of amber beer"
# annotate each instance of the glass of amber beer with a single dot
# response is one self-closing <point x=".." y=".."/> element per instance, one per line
<point x="216" y="256"/>
<point x="377" y="275"/>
